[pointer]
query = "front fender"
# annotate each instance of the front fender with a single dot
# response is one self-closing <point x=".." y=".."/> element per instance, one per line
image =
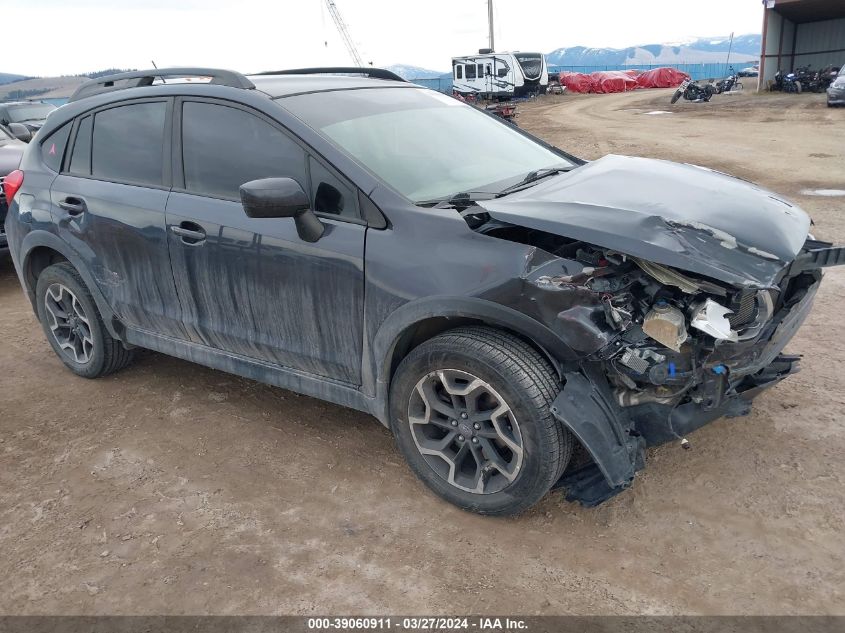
<point x="415" y="312"/>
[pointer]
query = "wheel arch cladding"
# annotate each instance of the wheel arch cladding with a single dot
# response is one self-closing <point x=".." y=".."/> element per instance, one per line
<point x="418" y="321"/>
<point x="37" y="260"/>
<point x="41" y="249"/>
<point x="587" y="408"/>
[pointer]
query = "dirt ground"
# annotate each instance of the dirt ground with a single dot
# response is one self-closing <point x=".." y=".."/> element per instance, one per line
<point x="174" y="489"/>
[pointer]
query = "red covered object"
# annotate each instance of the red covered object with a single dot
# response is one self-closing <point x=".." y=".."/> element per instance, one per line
<point x="576" y="82"/>
<point x="662" y="78"/>
<point x="613" y="81"/>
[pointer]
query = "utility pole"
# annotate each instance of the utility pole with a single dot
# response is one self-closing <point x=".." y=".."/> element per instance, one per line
<point x="490" y="22"/>
<point x="730" y="49"/>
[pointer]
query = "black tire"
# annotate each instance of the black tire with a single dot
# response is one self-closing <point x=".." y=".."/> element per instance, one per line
<point x="798" y="87"/>
<point x="107" y="355"/>
<point x="676" y="96"/>
<point x="526" y="383"/>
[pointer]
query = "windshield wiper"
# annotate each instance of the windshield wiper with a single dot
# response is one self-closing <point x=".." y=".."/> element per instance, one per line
<point x="534" y="176"/>
<point x="458" y="200"/>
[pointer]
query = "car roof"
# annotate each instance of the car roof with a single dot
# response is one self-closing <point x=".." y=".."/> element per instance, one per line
<point x="274" y="84"/>
<point x="278" y="86"/>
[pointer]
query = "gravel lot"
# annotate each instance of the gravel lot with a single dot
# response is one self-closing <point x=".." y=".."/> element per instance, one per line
<point x="172" y="489"/>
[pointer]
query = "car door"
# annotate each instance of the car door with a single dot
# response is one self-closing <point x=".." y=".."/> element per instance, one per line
<point x="108" y="204"/>
<point x="251" y="286"/>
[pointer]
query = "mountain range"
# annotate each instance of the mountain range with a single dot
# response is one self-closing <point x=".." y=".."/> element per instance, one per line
<point x="6" y="78"/>
<point x="745" y="48"/>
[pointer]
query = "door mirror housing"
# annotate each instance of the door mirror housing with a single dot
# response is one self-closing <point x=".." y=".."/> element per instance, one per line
<point x="20" y="132"/>
<point x="282" y="198"/>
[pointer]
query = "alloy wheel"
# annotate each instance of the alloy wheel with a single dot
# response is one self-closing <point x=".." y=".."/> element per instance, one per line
<point x="68" y="323"/>
<point x="466" y="431"/>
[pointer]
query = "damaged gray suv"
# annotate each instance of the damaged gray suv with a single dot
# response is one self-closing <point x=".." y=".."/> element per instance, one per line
<point x="519" y="318"/>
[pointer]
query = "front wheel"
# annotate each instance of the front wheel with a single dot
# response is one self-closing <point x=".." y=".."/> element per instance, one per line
<point x="470" y="410"/>
<point x="676" y="96"/>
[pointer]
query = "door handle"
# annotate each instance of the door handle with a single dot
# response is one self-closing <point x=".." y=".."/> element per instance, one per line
<point x="189" y="232"/>
<point x="73" y="206"/>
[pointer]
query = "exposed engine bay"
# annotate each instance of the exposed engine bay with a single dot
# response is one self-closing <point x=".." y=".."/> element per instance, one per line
<point x="663" y="351"/>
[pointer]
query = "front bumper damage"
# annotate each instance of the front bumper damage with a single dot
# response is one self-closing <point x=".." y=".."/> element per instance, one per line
<point x="616" y="436"/>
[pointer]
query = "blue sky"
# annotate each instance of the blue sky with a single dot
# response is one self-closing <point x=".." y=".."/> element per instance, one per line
<point x="73" y="36"/>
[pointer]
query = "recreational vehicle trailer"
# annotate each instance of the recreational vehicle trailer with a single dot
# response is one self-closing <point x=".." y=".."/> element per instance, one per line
<point x="500" y="75"/>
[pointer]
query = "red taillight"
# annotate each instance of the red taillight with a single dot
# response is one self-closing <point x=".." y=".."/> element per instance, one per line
<point x="11" y="184"/>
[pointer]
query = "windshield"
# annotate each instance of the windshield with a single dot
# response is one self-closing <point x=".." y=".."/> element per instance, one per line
<point x="842" y="71"/>
<point x="29" y="112"/>
<point x="422" y="143"/>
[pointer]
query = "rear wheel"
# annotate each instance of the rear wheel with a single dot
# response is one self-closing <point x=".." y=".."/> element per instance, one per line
<point x="73" y="325"/>
<point x="470" y="410"/>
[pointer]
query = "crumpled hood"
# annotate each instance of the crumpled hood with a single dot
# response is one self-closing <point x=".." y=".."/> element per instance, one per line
<point x="684" y="216"/>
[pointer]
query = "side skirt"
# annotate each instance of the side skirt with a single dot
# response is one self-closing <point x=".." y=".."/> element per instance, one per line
<point x="333" y="391"/>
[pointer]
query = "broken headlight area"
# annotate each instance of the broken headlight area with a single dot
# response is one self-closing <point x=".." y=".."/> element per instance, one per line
<point x="661" y="335"/>
<point x="673" y="351"/>
<point x="655" y="329"/>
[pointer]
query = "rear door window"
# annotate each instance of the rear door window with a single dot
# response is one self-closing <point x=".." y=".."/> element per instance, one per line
<point x="224" y="147"/>
<point x="128" y="144"/>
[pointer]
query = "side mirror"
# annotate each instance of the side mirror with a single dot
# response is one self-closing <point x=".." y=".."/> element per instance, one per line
<point x="282" y="198"/>
<point x="20" y="132"/>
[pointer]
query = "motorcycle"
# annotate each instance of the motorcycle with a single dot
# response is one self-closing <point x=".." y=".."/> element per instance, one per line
<point x="791" y="83"/>
<point x="827" y="76"/>
<point x="800" y="80"/>
<point x="729" y="83"/>
<point x="691" y="91"/>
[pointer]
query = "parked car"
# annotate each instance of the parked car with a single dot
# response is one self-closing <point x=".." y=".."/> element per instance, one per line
<point x="836" y="90"/>
<point x="495" y="301"/>
<point x="750" y="71"/>
<point x="25" y="118"/>
<point x="11" y="151"/>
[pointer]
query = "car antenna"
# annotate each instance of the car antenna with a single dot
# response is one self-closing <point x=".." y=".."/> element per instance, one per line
<point x="156" y="67"/>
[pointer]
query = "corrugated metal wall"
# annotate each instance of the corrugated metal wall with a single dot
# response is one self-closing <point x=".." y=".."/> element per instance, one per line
<point x="825" y="36"/>
<point x="789" y="46"/>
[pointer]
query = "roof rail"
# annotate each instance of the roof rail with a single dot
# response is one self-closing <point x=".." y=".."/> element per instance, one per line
<point x="375" y="73"/>
<point x="138" y="78"/>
